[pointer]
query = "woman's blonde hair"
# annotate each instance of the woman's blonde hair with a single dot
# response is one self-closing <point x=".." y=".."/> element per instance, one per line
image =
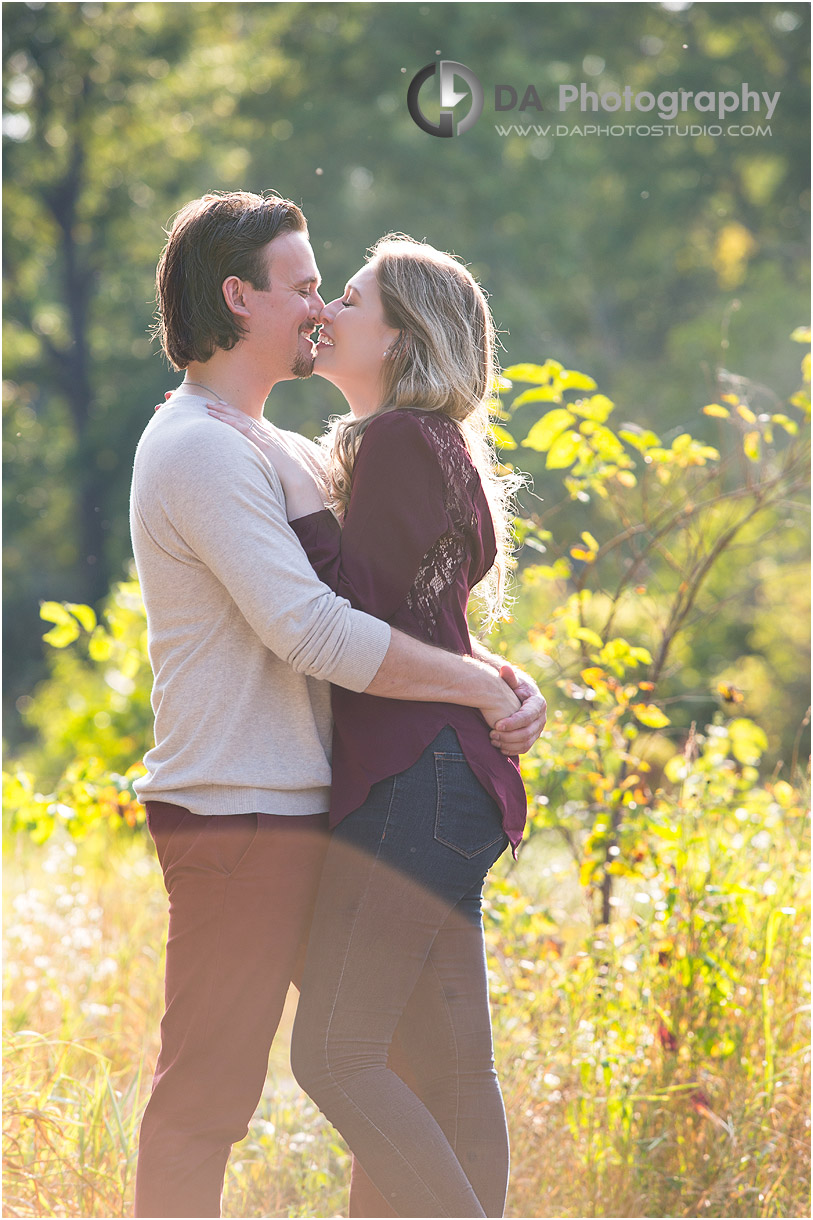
<point x="443" y="360"/>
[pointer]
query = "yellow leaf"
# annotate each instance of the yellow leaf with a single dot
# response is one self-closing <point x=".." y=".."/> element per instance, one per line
<point x="650" y="715"/>
<point x="593" y="675"/>
<point x="717" y="411"/>
<point x="587" y="871"/>
<point x="790" y="425"/>
<point x="783" y="793"/>
<point x="547" y="429"/>
<point x="563" y="451"/>
<point x="545" y="393"/>
<point x="589" y="637"/>
<point x="750" y="446"/>
<point x="85" y="615"/>
<point x="62" y="635"/>
<point x="54" y="612"/>
<point x="569" y="379"/>
<point x="746" y="413"/>
<point x="502" y="437"/>
<point x="801" y="334"/>
<point x="528" y="372"/>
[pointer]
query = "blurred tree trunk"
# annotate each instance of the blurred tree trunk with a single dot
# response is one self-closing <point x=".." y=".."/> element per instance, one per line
<point x="72" y="366"/>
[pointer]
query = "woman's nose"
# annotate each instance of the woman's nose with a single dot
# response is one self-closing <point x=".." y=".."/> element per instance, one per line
<point x="329" y="311"/>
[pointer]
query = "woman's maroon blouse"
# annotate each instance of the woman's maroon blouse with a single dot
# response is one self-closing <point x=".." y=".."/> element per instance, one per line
<point x="417" y="537"/>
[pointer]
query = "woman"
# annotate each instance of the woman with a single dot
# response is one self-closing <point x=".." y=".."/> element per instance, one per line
<point x="422" y="803"/>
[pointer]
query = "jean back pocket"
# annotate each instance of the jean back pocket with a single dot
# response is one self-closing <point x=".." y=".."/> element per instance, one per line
<point x="467" y="819"/>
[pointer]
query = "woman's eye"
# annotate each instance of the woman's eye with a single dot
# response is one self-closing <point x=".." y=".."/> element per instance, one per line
<point x="347" y="304"/>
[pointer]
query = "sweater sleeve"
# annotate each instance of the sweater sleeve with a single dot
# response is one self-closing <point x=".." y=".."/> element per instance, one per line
<point x="395" y="515"/>
<point x="222" y="502"/>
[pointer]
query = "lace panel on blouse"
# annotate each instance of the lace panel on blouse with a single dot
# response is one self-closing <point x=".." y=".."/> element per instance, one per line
<point x="446" y="557"/>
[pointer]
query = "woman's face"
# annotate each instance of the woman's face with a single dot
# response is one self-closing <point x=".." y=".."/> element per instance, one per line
<point x="354" y="341"/>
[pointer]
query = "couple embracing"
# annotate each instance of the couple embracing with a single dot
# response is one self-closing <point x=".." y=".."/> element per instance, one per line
<point x="335" y="768"/>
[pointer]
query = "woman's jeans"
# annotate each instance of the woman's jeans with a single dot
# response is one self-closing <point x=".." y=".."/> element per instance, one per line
<point x="398" y="929"/>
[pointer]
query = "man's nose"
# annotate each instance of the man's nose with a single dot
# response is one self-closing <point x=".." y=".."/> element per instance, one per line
<point x="317" y="305"/>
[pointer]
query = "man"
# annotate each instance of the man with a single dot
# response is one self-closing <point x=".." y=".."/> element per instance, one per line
<point x="244" y="641"/>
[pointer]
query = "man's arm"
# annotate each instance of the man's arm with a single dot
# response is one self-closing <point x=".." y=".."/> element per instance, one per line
<point x="417" y="671"/>
<point x="230" y="516"/>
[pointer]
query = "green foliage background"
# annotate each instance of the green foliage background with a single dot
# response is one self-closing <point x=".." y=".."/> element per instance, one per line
<point x="652" y="262"/>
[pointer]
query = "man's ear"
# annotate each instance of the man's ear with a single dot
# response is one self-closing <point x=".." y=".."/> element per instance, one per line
<point x="234" y="296"/>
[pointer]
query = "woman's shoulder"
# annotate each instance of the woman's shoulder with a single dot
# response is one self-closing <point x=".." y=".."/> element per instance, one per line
<point x="403" y="430"/>
<point x="414" y="422"/>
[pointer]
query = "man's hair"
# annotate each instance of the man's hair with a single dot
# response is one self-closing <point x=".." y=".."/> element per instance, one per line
<point x="221" y="234"/>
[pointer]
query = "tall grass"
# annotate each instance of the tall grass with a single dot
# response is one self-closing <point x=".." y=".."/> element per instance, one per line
<point x="644" y="1074"/>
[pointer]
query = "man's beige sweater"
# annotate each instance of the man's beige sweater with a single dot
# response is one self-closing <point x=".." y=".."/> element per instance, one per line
<point x="243" y="638"/>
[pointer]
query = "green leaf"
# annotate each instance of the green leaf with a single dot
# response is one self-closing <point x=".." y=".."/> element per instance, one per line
<point x="564" y="451"/>
<point x="545" y="430"/>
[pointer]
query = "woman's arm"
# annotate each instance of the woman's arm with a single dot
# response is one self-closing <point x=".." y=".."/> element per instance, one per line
<point x="395" y="515"/>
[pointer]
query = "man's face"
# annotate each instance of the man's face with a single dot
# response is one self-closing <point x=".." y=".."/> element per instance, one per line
<point x="283" y="317"/>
